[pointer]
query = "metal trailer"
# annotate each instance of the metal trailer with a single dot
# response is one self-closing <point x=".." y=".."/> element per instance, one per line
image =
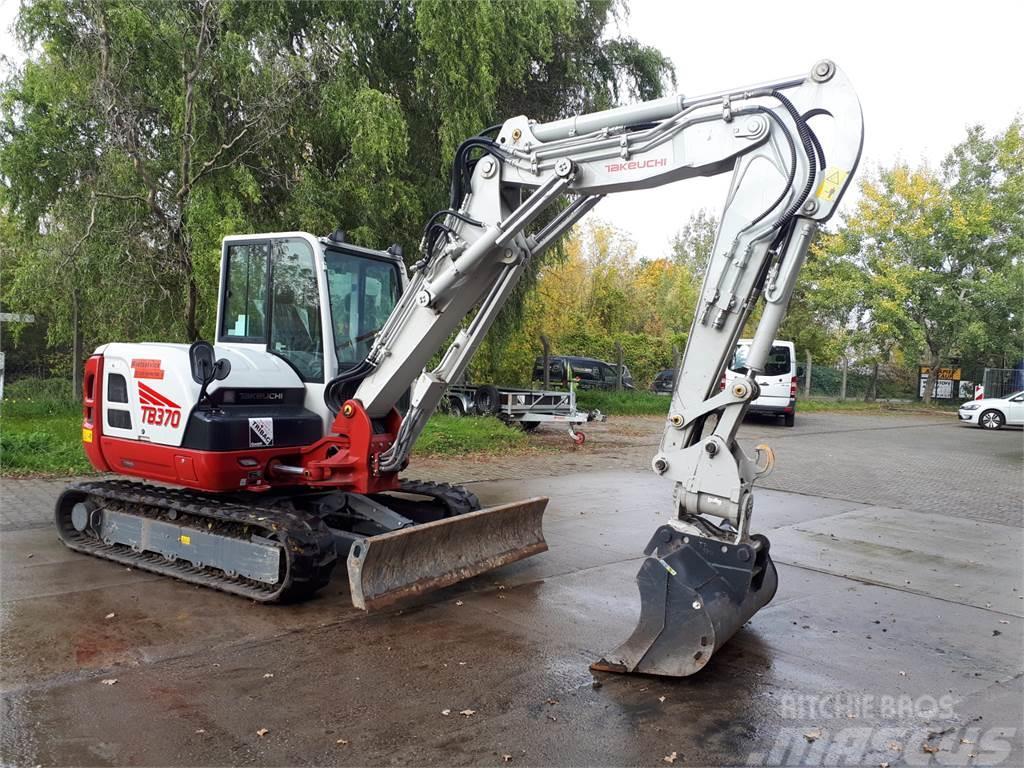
<point x="527" y="407"/>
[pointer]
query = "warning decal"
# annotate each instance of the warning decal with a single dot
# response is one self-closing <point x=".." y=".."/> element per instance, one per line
<point x="831" y="184"/>
<point x="261" y="433"/>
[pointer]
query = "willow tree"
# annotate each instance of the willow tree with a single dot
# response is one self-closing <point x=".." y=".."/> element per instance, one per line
<point x="137" y="133"/>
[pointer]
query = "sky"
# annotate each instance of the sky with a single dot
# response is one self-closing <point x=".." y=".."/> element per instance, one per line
<point x="924" y="71"/>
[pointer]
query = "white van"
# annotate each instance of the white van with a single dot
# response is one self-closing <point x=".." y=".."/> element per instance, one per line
<point x="778" y="382"/>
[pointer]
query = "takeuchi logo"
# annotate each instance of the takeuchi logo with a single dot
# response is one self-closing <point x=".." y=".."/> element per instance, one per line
<point x="157" y="409"/>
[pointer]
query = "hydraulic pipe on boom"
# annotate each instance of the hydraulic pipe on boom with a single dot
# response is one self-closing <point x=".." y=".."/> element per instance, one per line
<point x="705" y="574"/>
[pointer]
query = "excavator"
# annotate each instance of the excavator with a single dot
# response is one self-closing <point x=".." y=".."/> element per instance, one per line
<point x="279" y="450"/>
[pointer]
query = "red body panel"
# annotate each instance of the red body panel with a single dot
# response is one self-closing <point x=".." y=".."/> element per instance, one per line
<point x="346" y="459"/>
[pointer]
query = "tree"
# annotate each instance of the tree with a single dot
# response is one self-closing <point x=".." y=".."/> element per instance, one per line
<point x="138" y="133"/>
<point x="939" y="254"/>
<point x="693" y="244"/>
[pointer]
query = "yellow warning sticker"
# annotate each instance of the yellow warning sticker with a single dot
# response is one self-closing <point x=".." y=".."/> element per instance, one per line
<point x="831" y="184"/>
<point x="185" y="539"/>
<point x="86" y="435"/>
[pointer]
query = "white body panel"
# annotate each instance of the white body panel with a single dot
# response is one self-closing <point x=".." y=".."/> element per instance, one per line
<point x="160" y="389"/>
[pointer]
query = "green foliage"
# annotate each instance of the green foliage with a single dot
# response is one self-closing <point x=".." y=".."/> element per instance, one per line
<point x="460" y="436"/>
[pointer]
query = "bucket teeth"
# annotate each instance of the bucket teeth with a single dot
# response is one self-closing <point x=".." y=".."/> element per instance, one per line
<point x="397" y="566"/>
<point x="695" y="593"/>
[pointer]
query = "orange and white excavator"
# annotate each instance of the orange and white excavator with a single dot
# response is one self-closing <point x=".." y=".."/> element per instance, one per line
<point x="279" y="449"/>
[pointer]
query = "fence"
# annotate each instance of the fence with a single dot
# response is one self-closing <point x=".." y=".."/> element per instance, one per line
<point x="1000" y="382"/>
<point x="894" y="382"/>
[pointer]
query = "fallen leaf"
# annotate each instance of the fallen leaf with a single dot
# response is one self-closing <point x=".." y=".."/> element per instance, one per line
<point x="343" y="742"/>
<point x="966" y="741"/>
<point x="262" y="732"/>
<point x="268" y="674"/>
<point x="883" y="765"/>
<point x="110" y="616"/>
<point x="468" y="712"/>
<point x="812" y="735"/>
<point x="996" y="633"/>
<point x="551" y="701"/>
<point x="30" y="555"/>
<point x="661" y="699"/>
<point x="902" y="673"/>
<point x="458" y="602"/>
<point x="109" y="681"/>
<point x="200" y="730"/>
<point x="670" y="758"/>
<point x="552" y="718"/>
<point x="1004" y="621"/>
<point x="895" y="746"/>
<point x="929" y="749"/>
<point x="446" y="712"/>
<point x="507" y="758"/>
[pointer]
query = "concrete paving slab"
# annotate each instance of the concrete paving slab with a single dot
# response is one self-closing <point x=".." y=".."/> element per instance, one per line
<point x="963" y="561"/>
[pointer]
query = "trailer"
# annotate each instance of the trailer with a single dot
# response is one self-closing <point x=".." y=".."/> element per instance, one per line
<point x="529" y="408"/>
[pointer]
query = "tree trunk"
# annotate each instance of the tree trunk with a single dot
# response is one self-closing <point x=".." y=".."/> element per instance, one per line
<point x="929" y="380"/>
<point x="76" y="347"/>
<point x="842" y="386"/>
<point x="807" y="375"/>
<point x="546" y="346"/>
<point x="619" y="361"/>
<point x="191" y="329"/>
<point x="872" y="391"/>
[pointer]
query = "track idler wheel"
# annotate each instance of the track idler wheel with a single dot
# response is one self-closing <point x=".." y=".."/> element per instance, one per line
<point x="695" y="593"/>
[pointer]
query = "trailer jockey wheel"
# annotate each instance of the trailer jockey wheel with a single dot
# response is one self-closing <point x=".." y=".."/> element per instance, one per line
<point x="578" y="438"/>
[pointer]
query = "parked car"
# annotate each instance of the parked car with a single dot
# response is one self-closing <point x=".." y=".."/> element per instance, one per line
<point x="664" y="382"/>
<point x="778" y="383"/>
<point x="994" y="412"/>
<point x="588" y="372"/>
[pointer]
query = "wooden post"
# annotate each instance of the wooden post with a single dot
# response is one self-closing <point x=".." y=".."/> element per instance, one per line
<point x="807" y="375"/>
<point x="76" y="348"/>
<point x="842" y="386"/>
<point x="546" y="346"/>
<point x="619" y="363"/>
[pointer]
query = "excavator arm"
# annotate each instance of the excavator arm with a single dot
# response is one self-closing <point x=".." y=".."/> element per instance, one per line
<point x="792" y="146"/>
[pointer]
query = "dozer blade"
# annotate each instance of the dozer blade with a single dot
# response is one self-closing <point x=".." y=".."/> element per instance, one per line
<point x="402" y="564"/>
<point x="695" y="593"/>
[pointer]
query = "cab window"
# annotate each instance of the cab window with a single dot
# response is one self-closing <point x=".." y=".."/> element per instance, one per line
<point x="363" y="292"/>
<point x="271" y="297"/>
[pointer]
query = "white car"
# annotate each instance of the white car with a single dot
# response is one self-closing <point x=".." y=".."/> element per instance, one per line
<point x="994" y="412"/>
<point x="778" y="383"/>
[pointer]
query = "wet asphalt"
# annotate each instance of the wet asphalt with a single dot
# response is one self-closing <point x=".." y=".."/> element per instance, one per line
<point x="896" y="637"/>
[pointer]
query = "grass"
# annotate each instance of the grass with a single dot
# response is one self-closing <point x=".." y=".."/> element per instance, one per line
<point x="41" y="432"/>
<point x="629" y="403"/>
<point x="463" y="435"/>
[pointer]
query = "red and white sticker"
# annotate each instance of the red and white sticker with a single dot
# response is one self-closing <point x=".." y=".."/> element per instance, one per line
<point x="158" y="410"/>
<point x="145" y="368"/>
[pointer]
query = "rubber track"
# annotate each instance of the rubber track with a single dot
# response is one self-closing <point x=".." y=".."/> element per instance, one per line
<point x="456" y="499"/>
<point x="305" y="541"/>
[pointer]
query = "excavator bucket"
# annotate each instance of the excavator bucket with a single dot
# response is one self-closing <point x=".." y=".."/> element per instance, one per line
<point x="402" y="564"/>
<point x="695" y="593"/>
